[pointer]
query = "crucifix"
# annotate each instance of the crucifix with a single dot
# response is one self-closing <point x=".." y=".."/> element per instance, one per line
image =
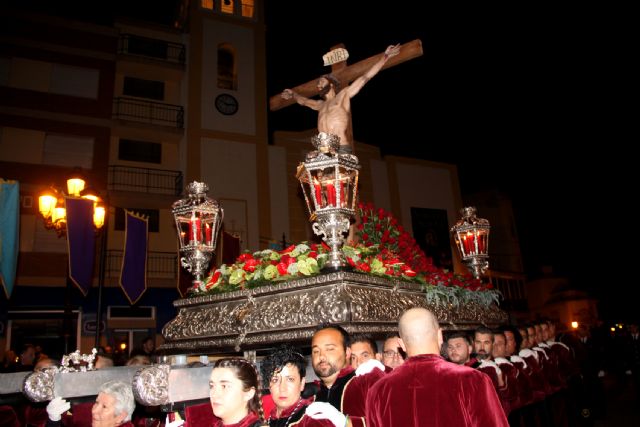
<point x="337" y="88"/>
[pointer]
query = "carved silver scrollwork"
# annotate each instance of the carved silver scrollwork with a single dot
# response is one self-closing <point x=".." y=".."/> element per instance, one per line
<point x="38" y="386"/>
<point x="151" y="385"/>
<point x="290" y="311"/>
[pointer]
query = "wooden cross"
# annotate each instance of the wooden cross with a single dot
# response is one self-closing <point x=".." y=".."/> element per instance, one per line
<point x="347" y="74"/>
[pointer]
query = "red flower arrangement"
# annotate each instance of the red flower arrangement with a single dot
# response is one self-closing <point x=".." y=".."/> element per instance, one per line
<point x="385" y="249"/>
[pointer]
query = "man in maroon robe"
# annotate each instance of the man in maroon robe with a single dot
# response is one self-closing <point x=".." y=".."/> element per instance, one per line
<point x="429" y="391"/>
<point x="340" y="384"/>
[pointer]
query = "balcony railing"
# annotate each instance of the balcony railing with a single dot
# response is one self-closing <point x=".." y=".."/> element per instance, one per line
<point x="156" y="113"/>
<point x="160" y="265"/>
<point x="154" y="49"/>
<point x="143" y="180"/>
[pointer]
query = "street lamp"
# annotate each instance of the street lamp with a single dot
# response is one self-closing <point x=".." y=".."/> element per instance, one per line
<point x="51" y="205"/>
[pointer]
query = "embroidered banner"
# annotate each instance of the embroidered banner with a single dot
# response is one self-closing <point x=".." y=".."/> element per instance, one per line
<point x="133" y="276"/>
<point x="9" y="229"/>
<point x="80" y="241"/>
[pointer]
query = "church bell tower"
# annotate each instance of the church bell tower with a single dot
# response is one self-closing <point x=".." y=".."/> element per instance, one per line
<point x="226" y="126"/>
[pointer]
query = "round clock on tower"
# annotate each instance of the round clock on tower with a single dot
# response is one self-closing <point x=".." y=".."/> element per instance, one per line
<point x="226" y="104"/>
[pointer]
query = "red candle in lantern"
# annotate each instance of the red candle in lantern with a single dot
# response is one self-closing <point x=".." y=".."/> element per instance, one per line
<point x="318" y="194"/>
<point x="481" y="243"/>
<point x="207" y="230"/>
<point x="468" y="244"/>
<point x="331" y="195"/>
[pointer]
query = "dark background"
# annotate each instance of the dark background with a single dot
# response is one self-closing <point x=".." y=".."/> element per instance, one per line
<point x="528" y="101"/>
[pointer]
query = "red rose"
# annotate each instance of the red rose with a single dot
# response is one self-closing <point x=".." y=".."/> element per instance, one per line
<point x="250" y="265"/>
<point x="364" y="267"/>
<point x="287" y="250"/>
<point x="282" y="268"/>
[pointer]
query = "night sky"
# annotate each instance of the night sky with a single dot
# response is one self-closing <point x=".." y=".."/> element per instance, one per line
<point x="520" y="99"/>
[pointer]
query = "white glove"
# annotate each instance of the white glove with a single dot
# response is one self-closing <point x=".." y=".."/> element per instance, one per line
<point x="56" y="408"/>
<point x="177" y="422"/>
<point x="369" y="366"/>
<point x="324" y="411"/>
<point x="600" y="374"/>
<point x="628" y="372"/>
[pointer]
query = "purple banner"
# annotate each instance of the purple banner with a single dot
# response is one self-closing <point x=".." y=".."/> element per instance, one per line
<point x="81" y="242"/>
<point x="133" y="276"/>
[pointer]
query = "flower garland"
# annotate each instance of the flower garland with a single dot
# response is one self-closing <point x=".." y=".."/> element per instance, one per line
<point x="378" y="227"/>
<point x="385" y="249"/>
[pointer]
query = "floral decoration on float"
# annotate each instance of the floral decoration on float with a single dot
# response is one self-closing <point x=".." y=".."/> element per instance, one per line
<point x="384" y="249"/>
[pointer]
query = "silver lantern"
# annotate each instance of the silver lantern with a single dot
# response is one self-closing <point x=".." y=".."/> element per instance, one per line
<point x="329" y="183"/>
<point x="471" y="235"/>
<point x="198" y="220"/>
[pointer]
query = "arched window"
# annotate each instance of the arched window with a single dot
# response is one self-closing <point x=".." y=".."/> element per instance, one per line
<point x="226" y="6"/>
<point x="244" y="8"/>
<point x="247" y="8"/>
<point x="227" y="73"/>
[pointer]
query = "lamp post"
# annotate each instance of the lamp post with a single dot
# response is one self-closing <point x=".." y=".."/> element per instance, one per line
<point x="329" y="182"/>
<point x="51" y="205"/>
<point x="471" y="235"/>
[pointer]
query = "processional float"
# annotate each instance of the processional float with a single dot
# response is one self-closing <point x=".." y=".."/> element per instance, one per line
<point x="260" y="318"/>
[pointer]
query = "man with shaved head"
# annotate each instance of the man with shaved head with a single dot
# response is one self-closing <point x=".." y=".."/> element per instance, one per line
<point x="427" y="390"/>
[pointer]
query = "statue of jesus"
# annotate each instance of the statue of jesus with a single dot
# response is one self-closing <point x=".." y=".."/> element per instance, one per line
<point x="334" y="110"/>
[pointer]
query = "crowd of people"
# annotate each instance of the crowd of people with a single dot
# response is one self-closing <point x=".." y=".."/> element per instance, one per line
<point x="523" y="375"/>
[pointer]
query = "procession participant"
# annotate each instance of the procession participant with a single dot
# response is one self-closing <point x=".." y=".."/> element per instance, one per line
<point x="458" y="395"/>
<point x="392" y="355"/>
<point x="234" y="393"/>
<point x="284" y="373"/>
<point x="363" y="347"/>
<point x="340" y="385"/>
<point x="113" y="407"/>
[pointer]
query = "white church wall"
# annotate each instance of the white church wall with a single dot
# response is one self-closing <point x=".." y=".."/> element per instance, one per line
<point x="423" y="186"/>
<point x="229" y="168"/>
<point x="278" y="184"/>
<point x="242" y="39"/>
<point x="380" y="177"/>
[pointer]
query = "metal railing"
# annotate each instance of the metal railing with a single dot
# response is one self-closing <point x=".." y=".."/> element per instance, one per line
<point x="144" y="180"/>
<point x="156" y="49"/>
<point x="160" y="265"/>
<point x="157" y="113"/>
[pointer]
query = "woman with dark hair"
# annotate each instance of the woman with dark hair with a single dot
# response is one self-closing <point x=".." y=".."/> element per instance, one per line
<point x="234" y="393"/>
<point x="284" y="373"/>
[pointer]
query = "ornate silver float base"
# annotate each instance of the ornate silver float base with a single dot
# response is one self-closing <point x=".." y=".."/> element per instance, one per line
<point x="289" y="312"/>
